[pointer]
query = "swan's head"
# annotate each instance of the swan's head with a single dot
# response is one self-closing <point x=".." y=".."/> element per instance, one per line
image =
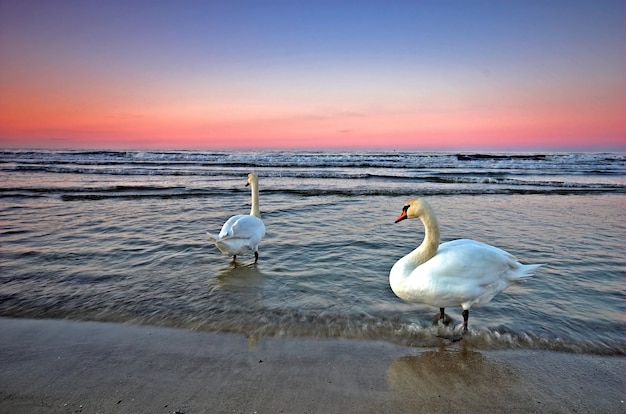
<point x="252" y="179"/>
<point x="413" y="208"/>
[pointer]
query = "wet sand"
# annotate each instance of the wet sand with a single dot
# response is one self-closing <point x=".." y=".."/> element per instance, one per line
<point x="52" y="366"/>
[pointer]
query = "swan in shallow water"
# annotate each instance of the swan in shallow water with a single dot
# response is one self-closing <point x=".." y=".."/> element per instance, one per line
<point x="244" y="232"/>
<point x="461" y="272"/>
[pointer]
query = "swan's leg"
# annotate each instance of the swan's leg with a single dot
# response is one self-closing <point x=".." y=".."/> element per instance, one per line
<point x="442" y="318"/>
<point x="234" y="258"/>
<point x="256" y="257"/>
<point x="465" y="318"/>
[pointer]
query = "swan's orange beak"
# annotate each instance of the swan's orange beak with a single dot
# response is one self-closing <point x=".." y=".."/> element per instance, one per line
<point x="402" y="216"/>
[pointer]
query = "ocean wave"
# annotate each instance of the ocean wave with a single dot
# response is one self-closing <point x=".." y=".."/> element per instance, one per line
<point x="146" y="192"/>
<point x="494" y="180"/>
<point x="369" y="328"/>
<point x="316" y="159"/>
<point x="471" y="157"/>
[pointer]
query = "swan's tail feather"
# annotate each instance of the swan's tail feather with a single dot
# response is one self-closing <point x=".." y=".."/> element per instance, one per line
<point x="213" y="237"/>
<point x="525" y="271"/>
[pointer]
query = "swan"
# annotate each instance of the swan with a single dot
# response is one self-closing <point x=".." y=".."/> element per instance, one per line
<point x="461" y="272"/>
<point x="243" y="232"/>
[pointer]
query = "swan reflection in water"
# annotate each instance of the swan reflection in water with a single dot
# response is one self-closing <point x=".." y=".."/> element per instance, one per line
<point x="462" y="377"/>
<point x="244" y="282"/>
<point x="236" y="275"/>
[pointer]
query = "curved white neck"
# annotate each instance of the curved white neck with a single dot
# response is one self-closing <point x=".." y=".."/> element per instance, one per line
<point x="254" y="210"/>
<point x="430" y="244"/>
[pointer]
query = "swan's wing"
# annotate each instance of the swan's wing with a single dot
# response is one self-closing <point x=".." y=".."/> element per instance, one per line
<point x="227" y="228"/>
<point x="471" y="262"/>
<point x="243" y="227"/>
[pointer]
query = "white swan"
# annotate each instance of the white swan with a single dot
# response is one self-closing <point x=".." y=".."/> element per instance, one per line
<point x="462" y="272"/>
<point x="243" y="232"/>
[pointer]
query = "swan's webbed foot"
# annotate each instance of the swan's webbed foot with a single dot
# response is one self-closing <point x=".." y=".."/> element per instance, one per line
<point x="442" y="317"/>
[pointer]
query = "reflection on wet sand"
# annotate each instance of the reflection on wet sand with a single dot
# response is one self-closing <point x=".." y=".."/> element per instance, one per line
<point x="453" y="378"/>
<point x="253" y="341"/>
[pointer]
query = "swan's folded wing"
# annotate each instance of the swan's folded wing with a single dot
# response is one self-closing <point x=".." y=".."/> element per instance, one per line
<point x="461" y="257"/>
<point x="227" y="228"/>
<point x="244" y="227"/>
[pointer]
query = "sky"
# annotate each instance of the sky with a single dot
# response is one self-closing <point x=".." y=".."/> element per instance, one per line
<point x="415" y="75"/>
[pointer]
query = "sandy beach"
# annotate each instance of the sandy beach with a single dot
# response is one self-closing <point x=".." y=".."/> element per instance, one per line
<point x="53" y="366"/>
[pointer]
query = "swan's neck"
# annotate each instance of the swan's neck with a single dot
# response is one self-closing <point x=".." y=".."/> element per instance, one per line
<point x="430" y="244"/>
<point x="254" y="210"/>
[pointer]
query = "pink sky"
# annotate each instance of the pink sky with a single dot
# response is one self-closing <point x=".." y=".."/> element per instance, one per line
<point x="164" y="81"/>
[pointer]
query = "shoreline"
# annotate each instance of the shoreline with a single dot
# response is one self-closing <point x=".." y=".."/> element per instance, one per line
<point x="60" y="366"/>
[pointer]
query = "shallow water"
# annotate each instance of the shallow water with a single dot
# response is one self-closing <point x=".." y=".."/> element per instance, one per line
<point x="121" y="236"/>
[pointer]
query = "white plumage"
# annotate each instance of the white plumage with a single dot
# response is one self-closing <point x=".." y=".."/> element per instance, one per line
<point x="462" y="272"/>
<point x="242" y="233"/>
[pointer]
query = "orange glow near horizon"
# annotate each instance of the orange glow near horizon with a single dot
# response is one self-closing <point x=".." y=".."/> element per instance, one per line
<point x="35" y="122"/>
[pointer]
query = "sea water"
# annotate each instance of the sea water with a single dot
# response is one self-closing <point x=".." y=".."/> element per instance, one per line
<point x="121" y="236"/>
